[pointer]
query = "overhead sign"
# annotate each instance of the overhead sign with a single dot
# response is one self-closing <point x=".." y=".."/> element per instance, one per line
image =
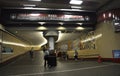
<point x="59" y="17"/>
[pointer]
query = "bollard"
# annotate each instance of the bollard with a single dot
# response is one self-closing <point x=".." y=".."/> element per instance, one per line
<point x="99" y="59"/>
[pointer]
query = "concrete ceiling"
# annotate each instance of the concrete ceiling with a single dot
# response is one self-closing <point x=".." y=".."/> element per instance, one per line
<point x="33" y="35"/>
<point x="54" y="4"/>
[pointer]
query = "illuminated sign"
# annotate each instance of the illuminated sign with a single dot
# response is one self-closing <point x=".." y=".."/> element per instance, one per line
<point x="57" y="17"/>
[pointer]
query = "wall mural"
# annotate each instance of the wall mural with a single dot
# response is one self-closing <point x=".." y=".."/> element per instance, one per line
<point x="86" y="41"/>
<point x="81" y="43"/>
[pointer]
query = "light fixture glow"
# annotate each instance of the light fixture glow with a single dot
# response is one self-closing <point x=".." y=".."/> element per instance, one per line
<point x="76" y="2"/>
<point x="116" y="18"/>
<point x="80" y="28"/>
<point x="110" y="14"/>
<point x="59" y="36"/>
<point x="34" y="0"/>
<point x="35" y="14"/>
<point x="29" y="5"/>
<point x="61" y="23"/>
<point x="104" y="15"/>
<point x="92" y="38"/>
<point x="113" y="16"/>
<point x="42" y="28"/>
<point x="13" y="43"/>
<point x="79" y="23"/>
<point x="67" y="16"/>
<point x="61" y="28"/>
<point x="76" y="7"/>
<point x="41" y="23"/>
<point x="117" y="24"/>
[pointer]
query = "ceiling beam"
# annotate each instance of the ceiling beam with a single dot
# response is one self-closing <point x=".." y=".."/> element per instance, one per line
<point x="107" y="3"/>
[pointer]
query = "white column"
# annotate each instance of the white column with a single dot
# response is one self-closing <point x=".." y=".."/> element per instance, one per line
<point x="51" y="42"/>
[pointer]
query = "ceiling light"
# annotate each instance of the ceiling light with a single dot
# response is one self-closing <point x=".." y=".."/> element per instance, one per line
<point x="117" y="24"/>
<point x="75" y="7"/>
<point x="79" y="23"/>
<point x="41" y="23"/>
<point x="61" y="28"/>
<point x="76" y="2"/>
<point x="13" y="43"/>
<point x="34" y="14"/>
<point x="61" y="23"/>
<point x="104" y="15"/>
<point x="113" y="16"/>
<point x="110" y="14"/>
<point x="80" y="28"/>
<point x="59" y="36"/>
<point x="29" y="5"/>
<point x="42" y="28"/>
<point x="67" y="16"/>
<point x="34" y="0"/>
<point x="92" y="38"/>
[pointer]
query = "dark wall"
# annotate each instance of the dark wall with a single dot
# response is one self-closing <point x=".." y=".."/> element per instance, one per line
<point x="112" y="4"/>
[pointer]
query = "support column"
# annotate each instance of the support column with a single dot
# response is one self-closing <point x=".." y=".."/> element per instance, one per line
<point x="51" y="43"/>
<point x="51" y="36"/>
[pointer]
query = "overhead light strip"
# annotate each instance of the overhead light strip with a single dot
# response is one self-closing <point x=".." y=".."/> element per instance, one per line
<point x="53" y="9"/>
<point x="76" y="7"/>
<point x="76" y="2"/>
<point x="29" y="5"/>
<point x="34" y="0"/>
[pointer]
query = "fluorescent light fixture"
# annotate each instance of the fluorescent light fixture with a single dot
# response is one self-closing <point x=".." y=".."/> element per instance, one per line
<point x="34" y="0"/>
<point x="34" y="14"/>
<point x="92" y="38"/>
<point x="59" y="36"/>
<point x="67" y="16"/>
<point x="104" y="15"/>
<point x="76" y="2"/>
<point x="13" y="43"/>
<point x="113" y="16"/>
<point x="42" y="28"/>
<point x="41" y="23"/>
<point x="80" y="28"/>
<point x="116" y="23"/>
<point x="75" y="9"/>
<point x="79" y="23"/>
<point x="110" y="14"/>
<point x="61" y="28"/>
<point x="116" y="18"/>
<point x="29" y="5"/>
<point x="61" y="23"/>
<point x="78" y="7"/>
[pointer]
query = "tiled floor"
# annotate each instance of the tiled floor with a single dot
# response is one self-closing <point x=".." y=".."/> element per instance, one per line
<point x="25" y="66"/>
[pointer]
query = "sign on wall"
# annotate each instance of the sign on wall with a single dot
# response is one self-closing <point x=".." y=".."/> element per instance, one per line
<point x="7" y="50"/>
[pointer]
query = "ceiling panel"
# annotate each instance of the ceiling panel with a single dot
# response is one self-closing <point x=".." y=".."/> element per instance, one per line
<point x="61" y="4"/>
<point x="34" y="37"/>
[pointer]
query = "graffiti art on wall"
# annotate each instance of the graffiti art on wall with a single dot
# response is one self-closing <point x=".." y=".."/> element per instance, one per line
<point x="77" y="44"/>
<point x="89" y="42"/>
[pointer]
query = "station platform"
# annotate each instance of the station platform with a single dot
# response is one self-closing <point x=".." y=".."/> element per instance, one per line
<point x="26" y="66"/>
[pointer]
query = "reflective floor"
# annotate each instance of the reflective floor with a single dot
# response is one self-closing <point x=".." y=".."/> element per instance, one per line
<point x="25" y="66"/>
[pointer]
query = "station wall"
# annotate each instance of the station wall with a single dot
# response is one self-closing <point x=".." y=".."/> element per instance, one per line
<point x="11" y="46"/>
<point x="109" y="41"/>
